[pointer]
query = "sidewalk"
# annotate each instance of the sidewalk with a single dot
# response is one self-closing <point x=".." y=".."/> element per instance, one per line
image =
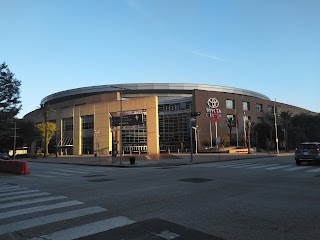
<point x="161" y="160"/>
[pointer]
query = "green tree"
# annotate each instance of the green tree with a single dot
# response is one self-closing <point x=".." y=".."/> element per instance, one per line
<point x="10" y="103"/>
<point x="285" y="121"/>
<point x="47" y="131"/>
<point x="47" y="111"/>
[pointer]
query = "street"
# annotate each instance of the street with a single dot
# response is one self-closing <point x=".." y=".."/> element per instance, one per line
<point x="263" y="198"/>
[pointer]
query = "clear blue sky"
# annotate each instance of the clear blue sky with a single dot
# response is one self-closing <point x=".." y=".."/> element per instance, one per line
<point x="268" y="46"/>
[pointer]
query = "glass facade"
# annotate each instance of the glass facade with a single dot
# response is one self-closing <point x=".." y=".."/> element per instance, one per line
<point x="134" y="138"/>
<point x="173" y="126"/>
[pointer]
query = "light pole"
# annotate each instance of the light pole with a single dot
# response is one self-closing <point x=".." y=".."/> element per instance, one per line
<point x="14" y="140"/>
<point x="276" y="130"/>
<point x="120" y="88"/>
<point x="97" y="143"/>
<point x="196" y="138"/>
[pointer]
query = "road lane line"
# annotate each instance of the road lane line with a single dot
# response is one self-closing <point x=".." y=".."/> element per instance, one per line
<point x="41" y="208"/>
<point x="35" y="222"/>
<point x="245" y="165"/>
<point x="31" y="201"/>
<point x="87" y="229"/>
<point x="25" y="196"/>
<point x="42" y="175"/>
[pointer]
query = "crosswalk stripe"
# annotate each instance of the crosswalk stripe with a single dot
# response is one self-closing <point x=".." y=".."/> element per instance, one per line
<point x="296" y="168"/>
<point x="9" y="188"/>
<point x="42" y="175"/>
<point x="24" y="196"/>
<point x="243" y="165"/>
<point x="228" y="165"/>
<point x="72" y="171"/>
<point x="314" y="170"/>
<point x="278" y="167"/>
<point x="59" y="173"/>
<point x="31" y="201"/>
<point x="88" y="229"/>
<point x="34" y="222"/>
<point x="24" y="211"/>
<point x="262" y="166"/>
<point x="18" y="192"/>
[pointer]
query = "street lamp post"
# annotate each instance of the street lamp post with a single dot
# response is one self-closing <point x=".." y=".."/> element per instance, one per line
<point x="121" y="126"/>
<point x="14" y="140"/>
<point x="276" y="130"/>
<point x="97" y="143"/>
<point x="196" y="138"/>
<point x="120" y="88"/>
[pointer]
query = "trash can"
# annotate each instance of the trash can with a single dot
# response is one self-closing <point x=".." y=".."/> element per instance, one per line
<point x="132" y="160"/>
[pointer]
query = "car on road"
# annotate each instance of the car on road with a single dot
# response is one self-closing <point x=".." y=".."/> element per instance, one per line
<point x="308" y="152"/>
<point x="4" y="156"/>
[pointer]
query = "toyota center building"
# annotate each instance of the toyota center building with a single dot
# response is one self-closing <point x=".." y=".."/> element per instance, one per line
<point x="151" y="117"/>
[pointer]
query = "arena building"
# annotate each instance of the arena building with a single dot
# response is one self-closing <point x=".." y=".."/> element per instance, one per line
<point x="151" y="117"/>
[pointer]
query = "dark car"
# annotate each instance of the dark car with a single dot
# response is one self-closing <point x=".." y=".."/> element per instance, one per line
<point x="4" y="156"/>
<point x="307" y="151"/>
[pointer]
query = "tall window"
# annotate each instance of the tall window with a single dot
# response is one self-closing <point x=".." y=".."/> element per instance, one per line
<point x="259" y="107"/>
<point x="87" y="134"/>
<point x="230" y="104"/>
<point x="245" y="105"/>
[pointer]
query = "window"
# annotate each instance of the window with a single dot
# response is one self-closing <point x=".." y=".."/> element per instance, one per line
<point x="230" y="104"/>
<point x="270" y="109"/>
<point x="245" y="105"/>
<point x="87" y="122"/>
<point x="67" y="124"/>
<point x="259" y="107"/>
<point x="87" y="145"/>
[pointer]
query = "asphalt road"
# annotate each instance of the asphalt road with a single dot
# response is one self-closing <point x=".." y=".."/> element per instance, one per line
<point x="265" y="198"/>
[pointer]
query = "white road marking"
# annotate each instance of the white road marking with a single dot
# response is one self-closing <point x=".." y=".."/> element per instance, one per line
<point x="278" y="167"/>
<point x="8" y="187"/>
<point x="314" y="170"/>
<point x="34" y="222"/>
<point x="296" y="168"/>
<point x="262" y="166"/>
<point x="88" y="229"/>
<point x="24" y="196"/>
<point x="26" y="202"/>
<point x="18" y="192"/>
<point x="41" y="208"/>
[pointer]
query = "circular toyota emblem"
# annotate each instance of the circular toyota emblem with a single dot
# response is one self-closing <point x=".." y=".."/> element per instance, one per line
<point x="213" y="103"/>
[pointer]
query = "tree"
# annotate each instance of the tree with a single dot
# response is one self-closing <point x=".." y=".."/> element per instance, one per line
<point x="28" y="133"/>
<point x="10" y="104"/>
<point x="285" y="121"/>
<point x="47" y="131"/>
<point x="47" y="110"/>
<point x="230" y="123"/>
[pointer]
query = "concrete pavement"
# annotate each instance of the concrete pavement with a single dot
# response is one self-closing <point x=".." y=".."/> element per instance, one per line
<point x="161" y="160"/>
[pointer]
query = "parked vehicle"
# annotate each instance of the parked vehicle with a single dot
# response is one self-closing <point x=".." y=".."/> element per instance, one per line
<point x="4" y="156"/>
<point x="307" y="151"/>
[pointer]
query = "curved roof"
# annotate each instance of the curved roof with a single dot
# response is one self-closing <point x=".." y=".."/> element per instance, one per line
<point x="146" y="88"/>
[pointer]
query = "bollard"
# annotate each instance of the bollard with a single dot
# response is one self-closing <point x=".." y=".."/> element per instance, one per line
<point x="178" y="150"/>
<point x="169" y="151"/>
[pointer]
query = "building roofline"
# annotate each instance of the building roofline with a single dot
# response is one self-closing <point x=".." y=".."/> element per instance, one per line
<point x="146" y="87"/>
